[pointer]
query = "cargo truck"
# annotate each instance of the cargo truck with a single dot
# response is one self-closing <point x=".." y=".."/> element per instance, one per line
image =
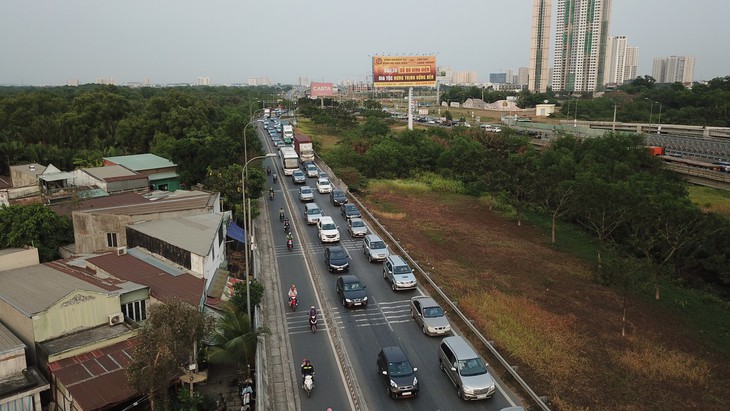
<point x="287" y="131"/>
<point x="303" y="147"/>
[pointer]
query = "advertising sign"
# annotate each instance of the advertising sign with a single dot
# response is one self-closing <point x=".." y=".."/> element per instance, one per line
<point x="404" y="71"/>
<point x="320" y="90"/>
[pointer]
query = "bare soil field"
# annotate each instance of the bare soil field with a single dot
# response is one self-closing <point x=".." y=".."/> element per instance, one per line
<point x="545" y="313"/>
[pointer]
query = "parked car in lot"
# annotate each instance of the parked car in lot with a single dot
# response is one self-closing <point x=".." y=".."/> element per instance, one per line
<point x="327" y="229"/>
<point x="357" y="227"/>
<point x="306" y="194"/>
<point x="337" y="259"/>
<point x="324" y="186"/>
<point x="374" y="248"/>
<point x="337" y="197"/>
<point x="429" y="314"/>
<point x="298" y="177"/>
<point x="349" y="211"/>
<point x="397" y="373"/>
<point x="466" y="370"/>
<point x="351" y="291"/>
<point x="398" y="273"/>
<point x="311" y="170"/>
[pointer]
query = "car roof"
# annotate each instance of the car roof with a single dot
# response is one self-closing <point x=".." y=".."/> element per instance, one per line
<point x="325" y="219"/>
<point x="338" y="191"/>
<point x="426" y="301"/>
<point x="394" y="353"/>
<point x="349" y="278"/>
<point x="373" y="237"/>
<point x="397" y="260"/>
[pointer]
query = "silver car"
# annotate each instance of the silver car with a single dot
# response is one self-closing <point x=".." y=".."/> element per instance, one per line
<point x="374" y="248"/>
<point x="430" y="316"/>
<point x="306" y="194"/>
<point x="357" y="227"/>
<point x="398" y="273"/>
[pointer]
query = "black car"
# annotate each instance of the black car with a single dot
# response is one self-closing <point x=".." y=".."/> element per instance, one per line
<point x="397" y="372"/>
<point x="350" y="211"/>
<point x="337" y="259"/>
<point x="351" y="291"/>
<point x="338" y="197"/>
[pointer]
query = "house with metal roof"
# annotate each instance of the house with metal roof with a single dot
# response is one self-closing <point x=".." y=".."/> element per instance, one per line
<point x="162" y="173"/>
<point x="101" y="226"/>
<point x="20" y="384"/>
<point x="112" y="179"/>
<point x="195" y="242"/>
<point x="22" y="186"/>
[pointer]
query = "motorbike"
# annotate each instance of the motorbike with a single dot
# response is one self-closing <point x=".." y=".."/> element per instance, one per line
<point x="276" y="178"/>
<point x="286" y="226"/>
<point x="309" y="384"/>
<point x="289" y="243"/>
<point x="281" y="215"/>
<point x="271" y="195"/>
<point x="313" y="323"/>
<point x="293" y="303"/>
<point x="268" y="170"/>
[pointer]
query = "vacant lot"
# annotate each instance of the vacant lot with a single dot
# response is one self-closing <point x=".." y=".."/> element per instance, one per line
<point x="542" y="309"/>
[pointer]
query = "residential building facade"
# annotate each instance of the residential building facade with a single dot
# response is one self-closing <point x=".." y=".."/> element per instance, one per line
<point x="674" y="69"/>
<point x="539" y="46"/>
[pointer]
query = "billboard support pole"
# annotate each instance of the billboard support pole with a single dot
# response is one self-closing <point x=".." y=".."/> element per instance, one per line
<point x="410" y="108"/>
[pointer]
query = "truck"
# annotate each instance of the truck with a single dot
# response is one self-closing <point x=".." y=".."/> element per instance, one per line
<point x="267" y="112"/>
<point x="303" y="147"/>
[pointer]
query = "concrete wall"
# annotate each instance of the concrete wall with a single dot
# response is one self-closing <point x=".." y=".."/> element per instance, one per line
<point x="18" y="257"/>
<point x="21" y="325"/>
<point x="79" y="310"/>
<point x="12" y="362"/>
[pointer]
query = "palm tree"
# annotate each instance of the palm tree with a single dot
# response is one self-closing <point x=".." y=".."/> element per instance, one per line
<point x="234" y="340"/>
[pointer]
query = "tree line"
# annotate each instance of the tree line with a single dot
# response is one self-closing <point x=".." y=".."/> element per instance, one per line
<point x="610" y="187"/>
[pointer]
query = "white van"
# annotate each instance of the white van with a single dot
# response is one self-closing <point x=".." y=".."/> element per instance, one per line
<point x="312" y="213"/>
<point x="466" y="369"/>
<point x="327" y="229"/>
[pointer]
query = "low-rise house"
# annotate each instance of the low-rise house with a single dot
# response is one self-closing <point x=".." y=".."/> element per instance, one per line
<point x="112" y="179"/>
<point x="20" y="385"/>
<point x="161" y="172"/>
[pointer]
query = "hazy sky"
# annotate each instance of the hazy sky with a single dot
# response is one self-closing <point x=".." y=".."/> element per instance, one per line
<point x="47" y="42"/>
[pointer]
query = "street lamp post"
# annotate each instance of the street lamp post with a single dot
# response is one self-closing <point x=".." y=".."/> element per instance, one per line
<point x="651" y="110"/>
<point x="659" y="121"/>
<point x="247" y="230"/>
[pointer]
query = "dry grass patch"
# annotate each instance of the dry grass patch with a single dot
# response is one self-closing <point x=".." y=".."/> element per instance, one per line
<point x="661" y="364"/>
<point x="389" y="215"/>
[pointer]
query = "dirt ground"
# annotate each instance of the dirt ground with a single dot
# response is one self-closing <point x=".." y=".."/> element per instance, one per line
<point x="477" y="256"/>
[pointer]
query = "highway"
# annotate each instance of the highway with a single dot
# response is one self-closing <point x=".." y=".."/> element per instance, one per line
<point x="344" y="349"/>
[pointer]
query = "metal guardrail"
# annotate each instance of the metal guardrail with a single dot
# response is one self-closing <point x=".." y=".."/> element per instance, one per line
<point x="536" y="398"/>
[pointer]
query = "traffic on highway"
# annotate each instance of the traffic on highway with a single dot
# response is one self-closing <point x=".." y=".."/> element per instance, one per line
<point x="379" y="340"/>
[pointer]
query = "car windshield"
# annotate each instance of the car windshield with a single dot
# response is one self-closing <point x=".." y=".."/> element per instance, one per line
<point x="329" y="226"/>
<point x="339" y="194"/>
<point x="311" y="167"/>
<point x="313" y="211"/>
<point x="401" y="269"/>
<point x="397" y="369"/>
<point x="376" y="245"/>
<point x="323" y="182"/>
<point x="470" y="367"/>
<point x="356" y="286"/>
<point x="358" y="224"/>
<point x="298" y="173"/>
<point x="306" y="190"/>
<point x="339" y="254"/>
<point x="433" y="312"/>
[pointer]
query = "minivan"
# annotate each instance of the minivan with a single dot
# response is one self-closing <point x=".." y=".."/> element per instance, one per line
<point x="312" y="213"/>
<point x="397" y="373"/>
<point x="466" y="370"/>
<point x="398" y="273"/>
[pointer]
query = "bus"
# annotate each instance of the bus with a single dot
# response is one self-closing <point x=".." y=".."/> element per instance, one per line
<point x="289" y="160"/>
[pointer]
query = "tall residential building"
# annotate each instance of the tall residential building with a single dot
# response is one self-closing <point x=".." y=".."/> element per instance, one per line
<point x="539" y="46"/>
<point x="621" y="61"/>
<point x="498" y="78"/>
<point x="673" y="69"/>
<point x="464" y="77"/>
<point x="580" y="45"/>
<point x="523" y="76"/>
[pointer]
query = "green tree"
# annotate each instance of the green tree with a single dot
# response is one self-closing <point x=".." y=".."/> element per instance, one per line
<point x="239" y="301"/>
<point x="234" y="340"/>
<point x="164" y="346"/>
<point x="35" y="225"/>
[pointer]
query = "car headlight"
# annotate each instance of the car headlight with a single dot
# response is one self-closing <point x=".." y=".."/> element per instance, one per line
<point x="365" y="299"/>
<point x="468" y="390"/>
<point x="393" y="384"/>
<point x="415" y="381"/>
<point x="348" y="300"/>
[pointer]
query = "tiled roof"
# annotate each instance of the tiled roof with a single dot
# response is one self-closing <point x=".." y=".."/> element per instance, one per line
<point x="164" y="286"/>
<point x="97" y="379"/>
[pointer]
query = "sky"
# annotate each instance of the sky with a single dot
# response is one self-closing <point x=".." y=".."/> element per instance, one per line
<point x="49" y="42"/>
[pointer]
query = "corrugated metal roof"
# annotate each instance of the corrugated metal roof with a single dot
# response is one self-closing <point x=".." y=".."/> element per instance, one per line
<point x="61" y="175"/>
<point x="162" y="176"/>
<point x="168" y="203"/>
<point x="34" y="288"/>
<point x="32" y="169"/>
<point x="8" y="341"/>
<point x="138" y="162"/>
<point x="103" y="173"/>
<point x="164" y="286"/>
<point x="193" y="233"/>
<point x="97" y="379"/>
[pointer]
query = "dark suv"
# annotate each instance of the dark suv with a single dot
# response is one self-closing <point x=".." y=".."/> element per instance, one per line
<point x="351" y="291"/>
<point x="350" y="211"/>
<point x="337" y="259"/>
<point x="397" y="373"/>
<point x="338" y="197"/>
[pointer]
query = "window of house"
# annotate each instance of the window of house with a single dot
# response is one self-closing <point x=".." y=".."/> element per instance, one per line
<point x="136" y="310"/>
<point x="111" y="240"/>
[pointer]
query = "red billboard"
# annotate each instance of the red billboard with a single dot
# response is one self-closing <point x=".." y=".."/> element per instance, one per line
<point x="320" y="90"/>
<point x="404" y="71"/>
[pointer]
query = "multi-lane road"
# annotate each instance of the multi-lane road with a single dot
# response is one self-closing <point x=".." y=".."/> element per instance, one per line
<point x="344" y="349"/>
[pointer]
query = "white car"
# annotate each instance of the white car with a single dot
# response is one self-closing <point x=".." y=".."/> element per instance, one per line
<point x="327" y="230"/>
<point x="324" y="186"/>
<point x="306" y="194"/>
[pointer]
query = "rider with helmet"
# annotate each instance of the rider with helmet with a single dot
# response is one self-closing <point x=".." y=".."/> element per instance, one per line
<point x="307" y="369"/>
<point x="313" y="312"/>
<point x="289" y="236"/>
<point x="292" y="292"/>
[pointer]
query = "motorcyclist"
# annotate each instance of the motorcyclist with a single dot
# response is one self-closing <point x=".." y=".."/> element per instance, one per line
<point x="271" y="192"/>
<point x="268" y="170"/>
<point x="289" y="236"/>
<point x="286" y="224"/>
<point x="276" y="177"/>
<point x="292" y="293"/>
<point x="307" y="369"/>
<point x="281" y="214"/>
<point x="312" y="312"/>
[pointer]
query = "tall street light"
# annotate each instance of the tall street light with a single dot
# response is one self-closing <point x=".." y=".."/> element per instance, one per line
<point x="247" y="226"/>
<point x="651" y="110"/>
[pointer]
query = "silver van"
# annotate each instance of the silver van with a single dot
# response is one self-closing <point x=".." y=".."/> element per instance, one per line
<point x="312" y="213"/>
<point x="466" y="370"/>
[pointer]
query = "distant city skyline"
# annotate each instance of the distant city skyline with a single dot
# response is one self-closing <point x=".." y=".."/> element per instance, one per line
<point x="228" y="42"/>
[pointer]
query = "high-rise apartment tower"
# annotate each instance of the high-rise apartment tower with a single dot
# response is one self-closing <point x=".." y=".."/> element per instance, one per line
<point x="581" y="32"/>
<point x="540" y="46"/>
